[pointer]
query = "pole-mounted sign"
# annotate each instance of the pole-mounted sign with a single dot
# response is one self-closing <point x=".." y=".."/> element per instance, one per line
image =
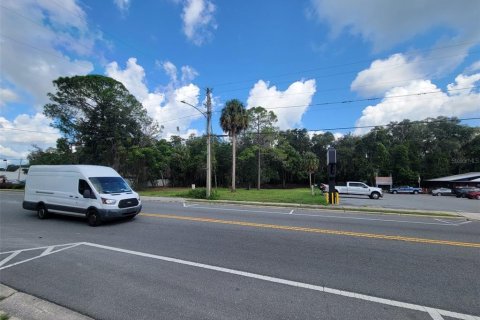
<point x="332" y="168"/>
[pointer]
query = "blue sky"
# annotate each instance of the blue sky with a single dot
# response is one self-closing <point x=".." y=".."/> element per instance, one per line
<point x="414" y="59"/>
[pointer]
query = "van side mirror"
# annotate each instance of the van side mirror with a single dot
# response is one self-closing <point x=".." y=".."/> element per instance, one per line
<point x="87" y="193"/>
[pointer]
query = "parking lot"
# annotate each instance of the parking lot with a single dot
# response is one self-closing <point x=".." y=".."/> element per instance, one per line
<point x="414" y="202"/>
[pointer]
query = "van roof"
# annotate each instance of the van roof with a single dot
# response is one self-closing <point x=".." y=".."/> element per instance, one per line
<point x="86" y="170"/>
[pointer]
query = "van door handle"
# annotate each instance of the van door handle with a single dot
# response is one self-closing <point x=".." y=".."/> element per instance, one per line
<point x="71" y="196"/>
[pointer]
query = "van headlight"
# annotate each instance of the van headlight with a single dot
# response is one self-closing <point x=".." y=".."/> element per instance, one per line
<point x="108" y="201"/>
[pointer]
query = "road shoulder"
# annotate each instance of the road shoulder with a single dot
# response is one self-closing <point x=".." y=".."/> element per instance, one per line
<point x="21" y="306"/>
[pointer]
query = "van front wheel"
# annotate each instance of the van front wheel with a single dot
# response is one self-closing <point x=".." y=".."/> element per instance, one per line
<point x="42" y="212"/>
<point x="93" y="218"/>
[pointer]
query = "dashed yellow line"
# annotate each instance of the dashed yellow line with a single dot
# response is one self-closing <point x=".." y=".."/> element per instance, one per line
<point x="316" y="230"/>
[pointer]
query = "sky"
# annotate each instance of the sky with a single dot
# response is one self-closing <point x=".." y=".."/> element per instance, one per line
<point x="322" y="65"/>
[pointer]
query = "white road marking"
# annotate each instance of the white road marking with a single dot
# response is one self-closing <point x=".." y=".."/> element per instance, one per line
<point x="38" y="248"/>
<point x="439" y="223"/>
<point x="10" y="257"/>
<point x="43" y="254"/>
<point x="454" y="223"/>
<point x="185" y="205"/>
<point x="239" y="210"/>
<point x="435" y="313"/>
<point x="47" y="251"/>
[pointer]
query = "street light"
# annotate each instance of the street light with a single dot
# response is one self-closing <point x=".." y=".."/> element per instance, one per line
<point x="208" y="116"/>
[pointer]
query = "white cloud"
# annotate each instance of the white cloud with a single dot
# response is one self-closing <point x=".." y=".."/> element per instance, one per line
<point x="18" y="136"/>
<point x="387" y="23"/>
<point x="132" y="77"/>
<point x="30" y="48"/>
<point x="162" y="105"/>
<point x="171" y="71"/>
<point x="474" y="67"/>
<point x="122" y="5"/>
<point x="188" y="74"/>
<point x="384" y="75"/>
<point x="298" y="94"/>
<point x="414" y="105"/>
<point x="6" y="96"/>
<point x="198" y="20"/>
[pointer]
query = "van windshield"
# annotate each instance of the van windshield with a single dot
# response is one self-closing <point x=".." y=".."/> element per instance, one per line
<point x="110" y="184"/>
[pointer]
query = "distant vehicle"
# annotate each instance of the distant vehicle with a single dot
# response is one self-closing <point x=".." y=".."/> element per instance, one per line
<point x="462" y="192"/>
<point x="473" y="195"/>
<point x="323" y="187"/>
<point x="95" y="192"/>
<point x="406" y="189"/>
<point x="360" y="188"/>
<point x="441" y="191"/>
<point x="16" y="182"/>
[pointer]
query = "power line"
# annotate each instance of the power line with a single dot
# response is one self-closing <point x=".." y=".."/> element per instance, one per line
<point x="343" y="73"/>
<point x="393" y="124"/>
<point x="286" y="107"/>
<point x="32" y="131"/>
<point x="35" y="22"/>
<point x="33" y="47"/>
<point x="344" y="64"/>
<point x="368" y="99"/>
<point x="324" y="76"/>
<point x="243" y="81"/>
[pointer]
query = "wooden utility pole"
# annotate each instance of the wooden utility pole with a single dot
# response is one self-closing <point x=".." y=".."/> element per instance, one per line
<point x="209" y="147"/>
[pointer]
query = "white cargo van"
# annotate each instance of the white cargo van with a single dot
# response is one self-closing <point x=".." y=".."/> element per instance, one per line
<point x="97" y="192"/>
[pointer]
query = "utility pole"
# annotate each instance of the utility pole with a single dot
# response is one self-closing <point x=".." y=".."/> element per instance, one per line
<point x="208" y="116"/>
<point x="209" y="146"/>
<point x="259" y="160"/>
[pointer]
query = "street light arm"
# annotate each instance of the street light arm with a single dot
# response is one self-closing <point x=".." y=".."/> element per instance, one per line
<point x="191" y="105"/>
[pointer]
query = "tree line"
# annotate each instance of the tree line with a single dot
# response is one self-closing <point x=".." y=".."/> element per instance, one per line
<point x="103" y="124"/>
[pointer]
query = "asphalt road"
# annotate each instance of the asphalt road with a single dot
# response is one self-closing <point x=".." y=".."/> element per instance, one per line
<point x="414" y="202"/>
<point x="197" y="261"/>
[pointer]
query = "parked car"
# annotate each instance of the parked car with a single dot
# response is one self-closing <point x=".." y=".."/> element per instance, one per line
<point x="406" y="189"/>
<point x="360" y="188"/>
<point x="16" y="182"/>
<point x="323" y="187"/>
<point x="473" y="195"/>
<point x="462" y="192"/>
<point x="441" y="191"/>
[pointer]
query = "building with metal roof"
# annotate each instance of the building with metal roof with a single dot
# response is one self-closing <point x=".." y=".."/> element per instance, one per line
<point x="458" y="180"/>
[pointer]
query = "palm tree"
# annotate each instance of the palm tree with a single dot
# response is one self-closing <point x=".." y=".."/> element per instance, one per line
<point x="310" y="163"/>
<point x="233" y="120"/>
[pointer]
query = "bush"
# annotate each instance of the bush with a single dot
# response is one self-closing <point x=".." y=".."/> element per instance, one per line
<point x="201" y="193"/>
<point x="11" y="186"/>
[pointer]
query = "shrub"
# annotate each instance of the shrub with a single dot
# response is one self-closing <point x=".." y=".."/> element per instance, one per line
<point x="201" y="193"/>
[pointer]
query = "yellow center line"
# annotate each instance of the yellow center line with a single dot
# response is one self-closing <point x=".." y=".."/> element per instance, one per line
<point x="317" y="230"/>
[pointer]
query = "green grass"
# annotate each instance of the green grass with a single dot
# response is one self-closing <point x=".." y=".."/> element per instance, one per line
<point x="299" y="195"/>
<point x="4" y="316"/>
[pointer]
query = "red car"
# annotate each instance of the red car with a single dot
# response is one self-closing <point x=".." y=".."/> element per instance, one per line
<point x="473" y="195"/>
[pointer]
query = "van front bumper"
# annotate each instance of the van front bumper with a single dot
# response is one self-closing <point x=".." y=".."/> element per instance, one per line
<point x="108" y="214"/>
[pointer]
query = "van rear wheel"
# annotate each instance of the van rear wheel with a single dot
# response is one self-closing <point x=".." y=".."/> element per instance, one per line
<point x="42" y="212"/>
<point x="93" y="218"/>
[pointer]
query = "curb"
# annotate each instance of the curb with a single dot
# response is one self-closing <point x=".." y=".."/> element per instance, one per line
<point x="21" y="306"/>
